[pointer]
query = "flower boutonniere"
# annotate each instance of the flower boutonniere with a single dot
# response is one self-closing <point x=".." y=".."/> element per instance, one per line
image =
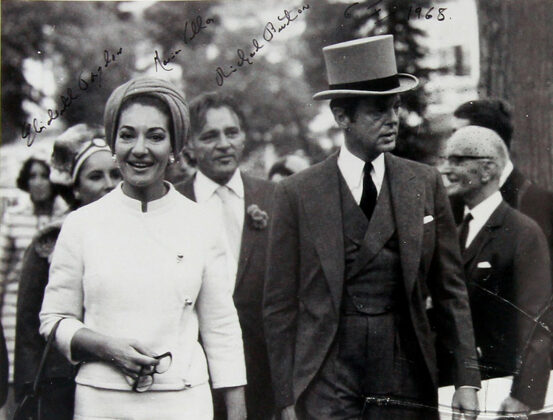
<point x="258" y="217"/>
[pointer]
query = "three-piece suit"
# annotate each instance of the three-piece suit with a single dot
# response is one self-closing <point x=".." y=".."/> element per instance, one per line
<point x="346" y="298"/>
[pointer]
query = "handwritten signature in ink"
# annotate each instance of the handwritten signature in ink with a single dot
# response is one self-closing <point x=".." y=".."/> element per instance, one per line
<point x="29" y="131"/>
<point x="269" y="32"/>
<point x="191" y="29"/>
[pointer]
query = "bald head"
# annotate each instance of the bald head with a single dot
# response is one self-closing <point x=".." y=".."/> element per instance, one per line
<point x="473" y="140"/>
<point x="476" y="157"/>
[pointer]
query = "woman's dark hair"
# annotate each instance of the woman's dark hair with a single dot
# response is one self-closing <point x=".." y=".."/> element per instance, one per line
<point x="280" y="168"/>
<point x="25" y="172"/>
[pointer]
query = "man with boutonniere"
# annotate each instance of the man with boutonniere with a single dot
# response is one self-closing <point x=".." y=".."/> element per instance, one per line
<point x="506" y="262"/>
<point x="360" y="245"/>
<point x="243" y="204"/>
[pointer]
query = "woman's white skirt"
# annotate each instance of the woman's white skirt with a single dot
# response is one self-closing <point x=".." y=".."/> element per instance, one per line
<point x="97" y="403"/>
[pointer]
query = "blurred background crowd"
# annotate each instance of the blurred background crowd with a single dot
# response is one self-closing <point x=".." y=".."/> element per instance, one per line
<point x="61" y="60"/>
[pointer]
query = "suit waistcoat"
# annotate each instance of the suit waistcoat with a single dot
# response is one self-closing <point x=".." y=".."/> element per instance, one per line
<point x="373" y="277"/>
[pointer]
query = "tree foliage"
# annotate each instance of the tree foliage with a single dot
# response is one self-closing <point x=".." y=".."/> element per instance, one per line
<point x="74" y="36"/>
<point x="275" y="89"/>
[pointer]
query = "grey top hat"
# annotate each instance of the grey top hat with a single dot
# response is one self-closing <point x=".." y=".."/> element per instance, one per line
<point x="363" y="67"/>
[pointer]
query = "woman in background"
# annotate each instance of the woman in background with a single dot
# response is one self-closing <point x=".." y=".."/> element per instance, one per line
<point x="82" y="159"/>
<point x="136" y="274"/>
<point x="20" y="223"/>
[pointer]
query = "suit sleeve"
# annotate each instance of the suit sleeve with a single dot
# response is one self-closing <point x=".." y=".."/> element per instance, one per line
<point x="532" y="295"/>
<point x="280" y="302"/>
<point x="449" y="295"/>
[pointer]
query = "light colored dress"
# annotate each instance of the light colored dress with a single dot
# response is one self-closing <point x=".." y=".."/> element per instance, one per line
<point x="157" y="276"/>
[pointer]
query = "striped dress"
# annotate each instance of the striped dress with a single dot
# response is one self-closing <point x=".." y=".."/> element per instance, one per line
<point x="18" y="227"/>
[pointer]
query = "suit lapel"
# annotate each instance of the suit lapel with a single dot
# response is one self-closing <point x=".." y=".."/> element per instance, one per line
<point x="321" y="200"/>
<point x="408" y="209"/>
<point x="251" y="196"/>
<point x="186" y="188"/>
<point x="485" y="235"/>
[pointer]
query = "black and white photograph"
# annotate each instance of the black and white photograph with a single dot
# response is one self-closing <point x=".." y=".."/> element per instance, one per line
<point x="276" y="210"/>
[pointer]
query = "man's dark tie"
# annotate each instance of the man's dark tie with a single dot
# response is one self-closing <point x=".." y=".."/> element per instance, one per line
<point x="464" y="231"/>
<point x="368" y="198"/>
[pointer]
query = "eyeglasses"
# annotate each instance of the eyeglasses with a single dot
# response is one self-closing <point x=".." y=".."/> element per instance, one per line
<point x="144" y="381"/>
<point x="459" y="159"/>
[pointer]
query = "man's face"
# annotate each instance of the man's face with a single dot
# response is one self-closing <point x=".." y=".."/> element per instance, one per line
<point x="218" y="146"/>
<point x="462" y="168"/>
<point x="373" y="127"/>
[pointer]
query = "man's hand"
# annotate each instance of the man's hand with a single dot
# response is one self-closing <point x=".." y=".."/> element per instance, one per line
<point x="511" y="405"/>
<point x="235" y="401"/>
<point x="288" y="413"/>
<point x="465" y="402"/>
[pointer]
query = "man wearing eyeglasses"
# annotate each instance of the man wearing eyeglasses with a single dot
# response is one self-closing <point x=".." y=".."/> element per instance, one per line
<point x="506" y="263"/>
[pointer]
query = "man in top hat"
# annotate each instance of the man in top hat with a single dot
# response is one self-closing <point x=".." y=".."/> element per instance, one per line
<point x="243" y="204"/>
<point x="360" y="245"/>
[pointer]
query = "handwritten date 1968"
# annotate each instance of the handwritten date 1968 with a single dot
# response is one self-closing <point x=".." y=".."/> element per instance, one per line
<point x="414" y="11"/>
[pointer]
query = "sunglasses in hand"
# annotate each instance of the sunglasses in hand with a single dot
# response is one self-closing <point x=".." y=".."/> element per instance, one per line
<point x="145" y="380"/>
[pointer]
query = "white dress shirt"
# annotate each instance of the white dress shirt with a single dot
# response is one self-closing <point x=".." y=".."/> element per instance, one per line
<point x="481" y="213"/>
<point x="351" y="168"/>
<point x="205" y="192"/>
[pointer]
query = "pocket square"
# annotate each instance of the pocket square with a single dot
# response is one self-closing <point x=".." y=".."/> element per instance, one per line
<point x="484" y="264"/>
<point x="427" y="219"/>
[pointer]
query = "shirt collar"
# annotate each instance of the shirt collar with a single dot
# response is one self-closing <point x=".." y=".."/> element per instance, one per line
<point x="205" y="187"/>
<point x="484" y="209"/>
<point x="351" y="168"/>
<point x="506" y="172"/>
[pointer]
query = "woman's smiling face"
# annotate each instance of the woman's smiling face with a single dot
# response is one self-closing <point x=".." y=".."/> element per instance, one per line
<point x="142" y="147"/>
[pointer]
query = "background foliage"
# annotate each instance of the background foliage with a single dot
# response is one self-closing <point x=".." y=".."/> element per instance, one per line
<point x="275" y="91"/>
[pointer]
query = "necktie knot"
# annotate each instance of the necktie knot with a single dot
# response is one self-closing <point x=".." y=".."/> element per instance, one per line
<point x="223" y="192"/>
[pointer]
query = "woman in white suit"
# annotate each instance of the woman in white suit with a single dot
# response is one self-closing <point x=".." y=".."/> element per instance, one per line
<point x="138" y="273"/>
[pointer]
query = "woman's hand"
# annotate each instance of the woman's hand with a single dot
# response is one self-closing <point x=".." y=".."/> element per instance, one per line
<point x="129" y="356"/>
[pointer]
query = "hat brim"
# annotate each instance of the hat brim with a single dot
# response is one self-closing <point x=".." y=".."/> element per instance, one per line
<point x="407" y="82"/>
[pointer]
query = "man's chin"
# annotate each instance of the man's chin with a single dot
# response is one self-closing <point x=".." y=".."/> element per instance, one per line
<point x="388" y="146"/>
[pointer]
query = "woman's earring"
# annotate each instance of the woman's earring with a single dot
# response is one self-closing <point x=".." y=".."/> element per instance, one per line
<point x="113" y="157"/>
<point x="171" y="158"/>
